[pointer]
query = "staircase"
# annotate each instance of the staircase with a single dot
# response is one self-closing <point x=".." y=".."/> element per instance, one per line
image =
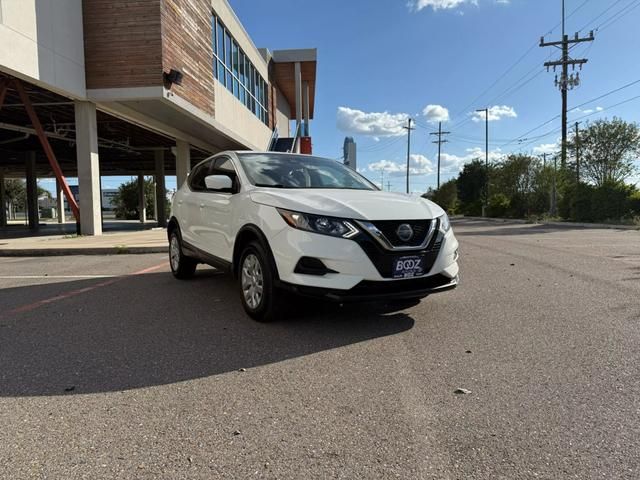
<point x="284" y="144"/>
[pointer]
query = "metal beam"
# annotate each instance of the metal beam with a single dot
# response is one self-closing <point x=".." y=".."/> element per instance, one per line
<point x="35" y="121"/>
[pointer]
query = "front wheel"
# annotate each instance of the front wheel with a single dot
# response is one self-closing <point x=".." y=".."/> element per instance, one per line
<point x="258" y="293"/>
<point x="181" y="266"/>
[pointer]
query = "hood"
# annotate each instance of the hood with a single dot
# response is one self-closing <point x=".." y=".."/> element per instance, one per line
<point x="356" y="204"/>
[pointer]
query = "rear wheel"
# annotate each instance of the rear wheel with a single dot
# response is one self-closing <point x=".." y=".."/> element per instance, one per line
<point x="258" y="293"/>
<point x="182" y="266"/>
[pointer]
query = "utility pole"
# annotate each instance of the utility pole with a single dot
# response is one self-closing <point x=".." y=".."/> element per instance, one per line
<point x="566" y="82"/>
<point x="486" y="160"/>
<point x="544" y="175"/>
<point x="408" y="129"/>
<point x="554" y="197"/>
<point x="577" y="140"/>
<point x="440" y="141"/>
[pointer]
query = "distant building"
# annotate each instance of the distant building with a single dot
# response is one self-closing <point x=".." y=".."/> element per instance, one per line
<point x="350" y="153"/>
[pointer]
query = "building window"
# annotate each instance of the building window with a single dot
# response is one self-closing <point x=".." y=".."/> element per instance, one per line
<point x="233" y="69"/>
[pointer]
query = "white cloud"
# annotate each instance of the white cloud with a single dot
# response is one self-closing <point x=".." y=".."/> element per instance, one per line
<point x="377" y="124"/>
<point x="588" y="111"/>
<point x="418" y="165"/>
<point x="436" y="113"/>
<point x="421" y="165"/>
<point x="546" y="148"/>
<point x="497" y="112"/>
<point x="417" y="5"/>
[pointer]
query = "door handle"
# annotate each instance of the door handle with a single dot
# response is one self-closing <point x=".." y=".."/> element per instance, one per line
<point x="202" y="205"/>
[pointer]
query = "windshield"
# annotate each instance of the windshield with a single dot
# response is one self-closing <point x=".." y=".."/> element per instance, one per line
<point x="300" y="171"/>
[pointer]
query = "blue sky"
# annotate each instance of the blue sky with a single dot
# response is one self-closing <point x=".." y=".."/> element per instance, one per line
<point x="380" y="61"/>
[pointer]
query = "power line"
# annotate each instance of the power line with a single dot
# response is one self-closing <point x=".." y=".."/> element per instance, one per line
<point x="611" y="92"/>
<point x="621" y="14"/>
<point x="513" y="65"/>
<point x="555" y="130"/>
<point x="592" y="21"/>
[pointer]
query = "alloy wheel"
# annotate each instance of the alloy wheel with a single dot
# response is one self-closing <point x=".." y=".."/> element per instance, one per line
<point x="252" y="281"/>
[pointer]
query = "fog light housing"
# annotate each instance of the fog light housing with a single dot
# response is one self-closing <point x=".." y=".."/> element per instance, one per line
<point x="312" y="266"/>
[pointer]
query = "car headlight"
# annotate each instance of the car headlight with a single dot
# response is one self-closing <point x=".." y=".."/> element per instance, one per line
<point x="334" y="227"/>
<point x="445" y="224"/>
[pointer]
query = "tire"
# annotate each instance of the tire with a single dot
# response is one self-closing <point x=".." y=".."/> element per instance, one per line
<point x="260" y="297"/>
<point x="182" y="266"/>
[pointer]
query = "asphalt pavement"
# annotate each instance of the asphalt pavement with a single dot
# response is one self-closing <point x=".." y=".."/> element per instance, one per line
<point x="111" y="368"/>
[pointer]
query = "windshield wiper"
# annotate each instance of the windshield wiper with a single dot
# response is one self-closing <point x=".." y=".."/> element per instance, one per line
<point x="270" y="185"/>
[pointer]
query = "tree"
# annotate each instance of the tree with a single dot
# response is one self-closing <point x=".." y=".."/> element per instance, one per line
<point x="608" y="150"/>
<point x="16" y="193"/>
<point x="126" y="202"/>
<point x="515" y="177"/>
<point x="446" y="196"/>
<point x="471" y="182"/>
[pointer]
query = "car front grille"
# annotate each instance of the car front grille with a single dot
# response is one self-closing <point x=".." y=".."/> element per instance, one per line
<point x="383" y="258"/>
<point x="389" y="229"/>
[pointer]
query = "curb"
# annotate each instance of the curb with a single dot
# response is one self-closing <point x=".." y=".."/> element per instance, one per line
<point x="606" y="226"/>
<point x="57" y="252"/>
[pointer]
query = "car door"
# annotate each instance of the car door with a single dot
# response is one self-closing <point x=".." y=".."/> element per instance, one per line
<point x="217" y="212"/>
<point x="191" y="204"/>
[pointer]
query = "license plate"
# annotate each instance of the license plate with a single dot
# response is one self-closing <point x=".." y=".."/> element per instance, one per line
<point x="408" y="267"/>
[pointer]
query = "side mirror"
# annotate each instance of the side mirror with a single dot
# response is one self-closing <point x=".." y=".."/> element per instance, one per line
<point x="218" y="182"/>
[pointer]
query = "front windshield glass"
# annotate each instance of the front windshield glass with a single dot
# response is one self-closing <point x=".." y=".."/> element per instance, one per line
<point x="300" y="171"/>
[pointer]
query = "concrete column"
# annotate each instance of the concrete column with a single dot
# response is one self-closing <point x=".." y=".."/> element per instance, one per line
<point x="298" y="83"/>
<point x="32" y="191"/>
<point x="161" y="191"/>
<point x="305" y="108"/>
<point x="183" y="161"/>
<point x="3" y="201"/>
<point x="60" y="203"/>
<point x="155" y="200"/>
<point x="142" y="201"/>
<point x="88" y="169"/>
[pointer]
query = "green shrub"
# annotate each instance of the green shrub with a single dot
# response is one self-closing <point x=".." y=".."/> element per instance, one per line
<point x="634" y="203"/>
<point x="499" y="205"/>
<point x="611" y="202"/>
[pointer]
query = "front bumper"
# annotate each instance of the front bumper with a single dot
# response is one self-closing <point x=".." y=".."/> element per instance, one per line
<point x="354" y="261"/>
<point x="379" y="291"/>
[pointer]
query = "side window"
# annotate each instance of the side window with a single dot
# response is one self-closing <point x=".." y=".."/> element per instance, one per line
<point x="196" y="179"/>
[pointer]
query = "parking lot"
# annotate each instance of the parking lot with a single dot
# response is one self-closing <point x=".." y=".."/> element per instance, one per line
<point x="110" y="368"/>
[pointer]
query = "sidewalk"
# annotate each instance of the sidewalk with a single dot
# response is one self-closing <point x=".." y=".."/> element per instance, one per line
<point x="607" y="226"/>
<point x="147" y="241"/>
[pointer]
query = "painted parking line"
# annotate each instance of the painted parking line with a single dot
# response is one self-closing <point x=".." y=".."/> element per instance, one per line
<point x="39" y="277"/>
<point x="74" y="293"/>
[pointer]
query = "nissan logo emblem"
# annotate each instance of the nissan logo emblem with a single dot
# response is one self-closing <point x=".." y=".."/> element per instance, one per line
<point x="404" y="232"/>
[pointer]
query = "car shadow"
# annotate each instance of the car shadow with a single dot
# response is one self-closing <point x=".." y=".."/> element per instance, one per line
<point x="151" y="329"/>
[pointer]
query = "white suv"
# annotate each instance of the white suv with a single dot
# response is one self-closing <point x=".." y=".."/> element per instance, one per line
<point x="309" y="225"/>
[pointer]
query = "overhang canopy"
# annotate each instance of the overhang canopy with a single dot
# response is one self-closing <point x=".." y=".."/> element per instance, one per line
<point x="284" y="74"/>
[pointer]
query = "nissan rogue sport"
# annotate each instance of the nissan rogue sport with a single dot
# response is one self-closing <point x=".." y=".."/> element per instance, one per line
<point x="311" y="226"/>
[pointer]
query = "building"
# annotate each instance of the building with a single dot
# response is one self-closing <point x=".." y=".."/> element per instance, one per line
<point x="349" y="155"/>
<point x="144" y="87"/>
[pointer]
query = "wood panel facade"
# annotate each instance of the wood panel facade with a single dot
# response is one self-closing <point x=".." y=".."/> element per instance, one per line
<point x="122" y="43"/>
<point x="130" y="43"/>
<point x="187" y="47"/>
